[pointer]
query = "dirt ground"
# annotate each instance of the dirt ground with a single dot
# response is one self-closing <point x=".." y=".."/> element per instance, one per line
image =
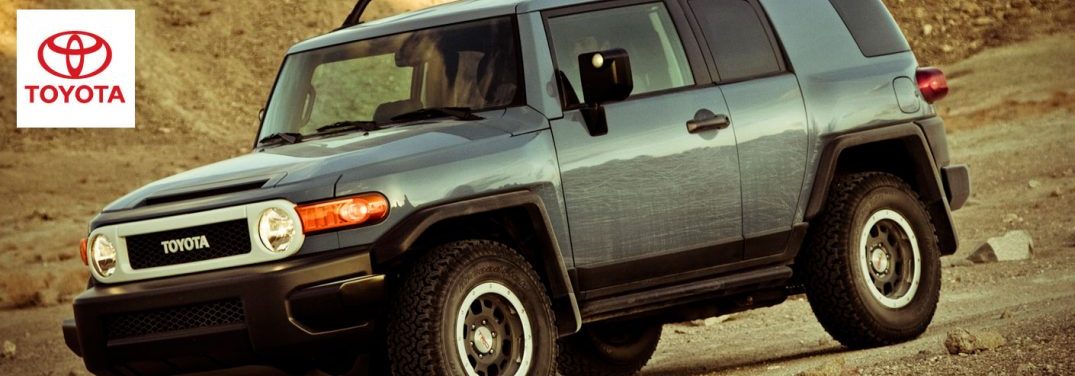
<point x="1011" y="117"/>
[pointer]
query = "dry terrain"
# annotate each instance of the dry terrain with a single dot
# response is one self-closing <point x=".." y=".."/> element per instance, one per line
<point x="205" y="67"/>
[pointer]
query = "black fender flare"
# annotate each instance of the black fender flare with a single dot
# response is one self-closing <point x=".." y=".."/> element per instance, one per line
<point x="927" y="175"/>
<point x="398" y="240"/>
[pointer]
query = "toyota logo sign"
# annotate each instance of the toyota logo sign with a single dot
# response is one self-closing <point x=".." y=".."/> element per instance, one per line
<point x="76" y="47"/>
<point x="75" y="68"/>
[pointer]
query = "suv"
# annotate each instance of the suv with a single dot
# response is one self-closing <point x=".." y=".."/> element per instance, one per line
<point x="510" y="187"/>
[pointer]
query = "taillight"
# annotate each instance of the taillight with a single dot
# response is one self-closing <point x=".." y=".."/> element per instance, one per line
<point x="364" y="209"/>
<point x="82" y="251"/>
<point x="931" y="83"/>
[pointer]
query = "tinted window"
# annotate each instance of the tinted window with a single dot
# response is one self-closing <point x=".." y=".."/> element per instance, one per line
<point x="737" y="38"/>
<point x="379" y="78"/>
<point x="645" y="31"/>
<point x="873" y="28"/>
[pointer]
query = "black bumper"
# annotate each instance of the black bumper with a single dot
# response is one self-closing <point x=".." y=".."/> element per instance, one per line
<point x="301" y="310"/>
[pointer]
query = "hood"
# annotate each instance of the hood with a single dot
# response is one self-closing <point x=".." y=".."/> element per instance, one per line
<point x="321" y="159"/>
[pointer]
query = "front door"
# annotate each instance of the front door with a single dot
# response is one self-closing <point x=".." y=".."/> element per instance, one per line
<point x="650" y="199"/>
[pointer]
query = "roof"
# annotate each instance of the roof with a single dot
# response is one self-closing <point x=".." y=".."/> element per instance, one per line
<point x="444" y="14"/>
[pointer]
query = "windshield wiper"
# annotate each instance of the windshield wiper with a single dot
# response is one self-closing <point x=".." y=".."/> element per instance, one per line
<point x="288" y="137"/>
<point x="461" y="113"/>
<point x="367" y="126"/>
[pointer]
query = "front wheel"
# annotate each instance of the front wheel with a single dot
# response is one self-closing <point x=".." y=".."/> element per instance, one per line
<point x="474" y="308"/>
<point x="872" y="263"/>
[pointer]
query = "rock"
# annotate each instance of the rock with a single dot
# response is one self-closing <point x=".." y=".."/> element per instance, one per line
<point x="927" y="29"/>
<point x="961" y="342"/>
<point x="164" y="130"/>
<point x="1013" y="246"/>
<point x="1005" y="315"/>
<point x="8" y="351"/>
<point x="1012" y="218"/>
<point x="990" y="340"/>
<point x="950" y="262"/>
<point x="41" y="215"/>
<point x="833" y="367"/>
<point x="1033" y="183"/>
<point x="1056" y="193"/>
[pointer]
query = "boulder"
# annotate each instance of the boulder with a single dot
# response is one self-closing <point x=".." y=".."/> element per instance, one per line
<point x="1014" y="245"/>
<point x="8" y="351"/>
<point x="962" y="341"/>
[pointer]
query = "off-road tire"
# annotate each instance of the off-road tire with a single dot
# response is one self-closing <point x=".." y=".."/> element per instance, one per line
<point x="593" y="352"/>
<point x="422" y="319"/>
<point x="840" y="295"/>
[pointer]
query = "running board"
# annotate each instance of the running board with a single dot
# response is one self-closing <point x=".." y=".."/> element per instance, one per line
<point x="650" y="300"/>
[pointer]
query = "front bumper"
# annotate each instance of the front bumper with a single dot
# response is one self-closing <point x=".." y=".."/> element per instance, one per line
<point x="295" y="311"/>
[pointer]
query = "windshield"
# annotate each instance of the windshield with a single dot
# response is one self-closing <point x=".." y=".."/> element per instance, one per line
<point x="473" y="65"/>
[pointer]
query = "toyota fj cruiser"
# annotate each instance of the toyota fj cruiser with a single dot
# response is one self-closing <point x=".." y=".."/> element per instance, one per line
<point x="510" y="187"/>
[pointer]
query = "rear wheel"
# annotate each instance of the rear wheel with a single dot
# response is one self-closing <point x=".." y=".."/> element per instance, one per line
<point x="472" y="308"/>
<point x="609" y="349"/>
<point x="872" y="264"/>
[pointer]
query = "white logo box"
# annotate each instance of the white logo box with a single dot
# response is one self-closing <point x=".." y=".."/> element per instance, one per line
<point x="63" y="81"/>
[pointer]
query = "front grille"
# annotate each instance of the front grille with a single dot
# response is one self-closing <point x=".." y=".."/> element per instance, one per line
<point x="224" y="239"/>
<point x="164" y="320"/>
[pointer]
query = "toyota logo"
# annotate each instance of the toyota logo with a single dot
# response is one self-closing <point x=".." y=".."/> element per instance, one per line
<point x="75" y="47"/>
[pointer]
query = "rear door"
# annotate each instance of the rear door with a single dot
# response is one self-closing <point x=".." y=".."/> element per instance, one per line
<point x="766" y="108"/>
<point x="650" y="201"/>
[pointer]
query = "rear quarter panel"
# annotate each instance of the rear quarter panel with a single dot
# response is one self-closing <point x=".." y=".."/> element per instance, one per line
<point x="843" y="90"/>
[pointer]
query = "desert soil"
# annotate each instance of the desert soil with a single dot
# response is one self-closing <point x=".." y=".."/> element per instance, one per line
<point x="205" y="68"/>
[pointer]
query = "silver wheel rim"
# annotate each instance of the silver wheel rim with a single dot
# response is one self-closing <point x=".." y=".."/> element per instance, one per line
<point x="889" y="259"/>
<point x="463" y="343"/>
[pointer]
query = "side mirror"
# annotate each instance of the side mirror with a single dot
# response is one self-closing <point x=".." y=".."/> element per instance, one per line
<point x="606" y="77"/>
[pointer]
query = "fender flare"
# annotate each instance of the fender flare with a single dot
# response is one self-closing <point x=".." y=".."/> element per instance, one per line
<point x="397" y="241"/>
<point x="927" y="175"/>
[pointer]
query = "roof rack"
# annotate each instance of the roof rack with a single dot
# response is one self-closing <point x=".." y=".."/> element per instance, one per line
<point x="356" y="14"/>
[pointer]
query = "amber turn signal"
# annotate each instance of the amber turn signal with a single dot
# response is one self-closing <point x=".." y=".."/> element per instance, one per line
<point x="363" y="209"/>
<point x="82" y="251"/>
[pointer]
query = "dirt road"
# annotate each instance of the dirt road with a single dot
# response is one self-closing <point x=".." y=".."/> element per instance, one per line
<point x="1012" y="122"/>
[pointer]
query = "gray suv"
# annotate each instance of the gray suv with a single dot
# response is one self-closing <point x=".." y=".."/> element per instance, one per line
<point x="513" y="187"/>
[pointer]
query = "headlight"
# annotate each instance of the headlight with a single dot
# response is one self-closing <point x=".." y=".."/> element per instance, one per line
<point x="103" y="256"/>
<point x="276" y="229"/>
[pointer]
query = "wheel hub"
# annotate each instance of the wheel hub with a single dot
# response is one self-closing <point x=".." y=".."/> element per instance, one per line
<point x="483" y="340"/>
<point x="889" y="259"/>
<point x="880" y="260"/>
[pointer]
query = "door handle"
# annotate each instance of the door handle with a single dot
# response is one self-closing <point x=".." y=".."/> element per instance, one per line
<point x="706" y="120"/>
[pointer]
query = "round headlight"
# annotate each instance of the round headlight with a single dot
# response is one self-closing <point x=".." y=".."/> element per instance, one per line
<point x="103" y="256"/>
<point x="276" y="229"/>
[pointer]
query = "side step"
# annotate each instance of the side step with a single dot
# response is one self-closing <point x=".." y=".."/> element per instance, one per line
<point x="650" y="300"/>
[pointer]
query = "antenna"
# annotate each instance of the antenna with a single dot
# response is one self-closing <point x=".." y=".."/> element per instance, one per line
<point x="356" y="14"/>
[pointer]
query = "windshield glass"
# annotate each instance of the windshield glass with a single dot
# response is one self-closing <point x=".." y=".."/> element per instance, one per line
<point x="473" y="65"/>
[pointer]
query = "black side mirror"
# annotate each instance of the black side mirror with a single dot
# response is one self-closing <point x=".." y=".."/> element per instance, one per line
<point x="606" y="77"/>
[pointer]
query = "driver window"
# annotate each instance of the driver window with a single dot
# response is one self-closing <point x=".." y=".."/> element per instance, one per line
<point x="646" y="31"/>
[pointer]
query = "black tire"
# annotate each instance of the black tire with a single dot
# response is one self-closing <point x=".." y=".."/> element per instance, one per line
<point x="614" y="349"/>
<point x="862" y="296"/>
<point x="427" y="306"/>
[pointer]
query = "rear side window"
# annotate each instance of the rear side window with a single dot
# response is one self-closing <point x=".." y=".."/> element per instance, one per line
<point x="873" y="28"/>
<point x="737" y="38"/>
